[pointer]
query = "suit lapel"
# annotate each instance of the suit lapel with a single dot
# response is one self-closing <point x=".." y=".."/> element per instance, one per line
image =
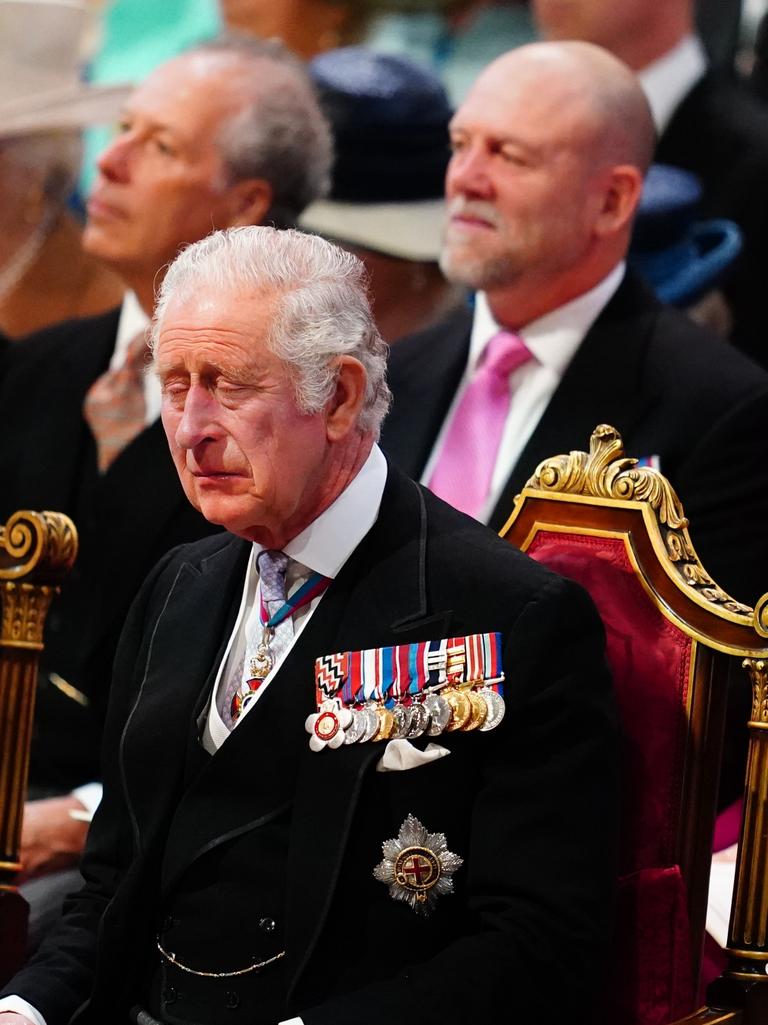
<point x="58" y="433"/>
<point x="381" y="598"/>
<point x="424" y="373"/>
<point x="187" y="645"/>
<point x="599" y="386"/>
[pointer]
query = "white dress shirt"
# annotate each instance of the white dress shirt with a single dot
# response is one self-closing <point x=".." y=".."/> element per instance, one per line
<point x="667" y="81"/>
<point x="553" y="340"/>
<point x="323" y="547"/>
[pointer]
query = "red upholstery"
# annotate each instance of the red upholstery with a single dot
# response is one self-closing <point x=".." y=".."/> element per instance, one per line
<point x="650" y="660"/>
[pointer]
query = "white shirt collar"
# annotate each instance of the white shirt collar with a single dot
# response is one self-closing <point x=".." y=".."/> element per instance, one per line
<point x="326" y="544"/>
<point x="554" y="338"/>
<point x="667" y="80"/>
<point x="132" y="320"/>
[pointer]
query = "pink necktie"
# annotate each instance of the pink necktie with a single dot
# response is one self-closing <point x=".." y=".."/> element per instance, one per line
<point x="465" y="465"/>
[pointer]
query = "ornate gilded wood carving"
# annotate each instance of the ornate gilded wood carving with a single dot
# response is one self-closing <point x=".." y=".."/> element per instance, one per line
<point x="606" y="472"/>
<point x="36" y="550"/>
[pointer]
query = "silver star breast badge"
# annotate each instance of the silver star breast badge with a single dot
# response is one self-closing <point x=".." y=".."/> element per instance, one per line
<point x="417" y="866"/>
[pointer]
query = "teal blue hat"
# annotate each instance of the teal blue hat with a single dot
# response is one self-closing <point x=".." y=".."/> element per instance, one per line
<point x="680" y="256"/>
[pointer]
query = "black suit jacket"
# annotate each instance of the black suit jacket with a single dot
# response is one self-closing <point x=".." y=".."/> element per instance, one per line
<point x="672" y="390"/>
<point x="720" y="132"/>
<point x="530" y="806"/>
<point x="127" y="519"/>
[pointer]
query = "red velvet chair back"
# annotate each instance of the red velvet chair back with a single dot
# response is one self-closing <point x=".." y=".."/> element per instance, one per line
<point x="618" y="529"/>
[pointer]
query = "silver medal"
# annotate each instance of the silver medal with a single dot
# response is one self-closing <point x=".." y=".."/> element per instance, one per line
<point x="402" y="714"/>
<point x="439" y="714"/>
<point x="496" y="708"/>
<point x="356" y="728"/>
<point x="419" y="720"/>
<point x="371" y="721"/>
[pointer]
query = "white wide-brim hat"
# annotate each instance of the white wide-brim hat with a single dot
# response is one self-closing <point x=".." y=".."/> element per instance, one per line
<point x="40" y="63"/>
<point x="408" y="229"/>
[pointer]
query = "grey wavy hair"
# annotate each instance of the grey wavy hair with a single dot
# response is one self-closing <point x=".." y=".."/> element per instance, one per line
<point x="281" y="135"/>
<point x="322" y="308"/>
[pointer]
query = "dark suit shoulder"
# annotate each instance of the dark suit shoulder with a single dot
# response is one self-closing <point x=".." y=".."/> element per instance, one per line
<point x="667" y="355"/>
<point x="71" y="331"/>
<point x="690" y="356"/>
<point x="88" y="340"/>
<point x="483" y="569"/>
<point x="429" y="350"/>
<point x="717" y="106"/>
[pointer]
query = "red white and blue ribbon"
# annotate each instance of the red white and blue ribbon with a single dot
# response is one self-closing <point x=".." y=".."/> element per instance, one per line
<point x="387" y="674"/>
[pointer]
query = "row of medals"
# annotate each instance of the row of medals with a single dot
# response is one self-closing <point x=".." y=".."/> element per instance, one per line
<point x="454" y="708"/>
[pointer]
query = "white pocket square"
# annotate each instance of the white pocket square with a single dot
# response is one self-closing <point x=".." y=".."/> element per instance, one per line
<point x="400" y="755"/>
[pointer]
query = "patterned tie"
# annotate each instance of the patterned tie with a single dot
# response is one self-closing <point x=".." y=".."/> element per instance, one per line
<point x="115" y="408"/>
<point x="465" y="466"/>
<point x="272" y="566"/>
<point x="272" y="569"/>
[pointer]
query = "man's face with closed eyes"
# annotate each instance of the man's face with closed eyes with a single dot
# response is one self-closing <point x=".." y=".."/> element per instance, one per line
<point x="247" y="457"/>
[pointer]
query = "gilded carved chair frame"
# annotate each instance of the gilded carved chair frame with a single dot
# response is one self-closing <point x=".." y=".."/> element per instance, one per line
<point x="36" y="551"/>
<point x="603" y="493"/>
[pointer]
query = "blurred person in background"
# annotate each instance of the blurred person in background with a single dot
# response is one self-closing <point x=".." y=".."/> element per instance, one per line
<point x="455" y="39"/>
<point x="45" y="275"/>
<point x="390" y="124"/>
<point x="707" y="122"/>
<point x="307" y="27"/>
<point x="227" y="134"/>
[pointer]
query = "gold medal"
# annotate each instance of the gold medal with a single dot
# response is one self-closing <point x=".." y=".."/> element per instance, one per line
<point x="386" y="723"/>
<point x="479" y="712"/>
<point x="461" y="708"/>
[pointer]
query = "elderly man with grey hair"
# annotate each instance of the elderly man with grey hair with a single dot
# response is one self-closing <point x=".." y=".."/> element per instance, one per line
<point x="360" y="753"/>
<point x="229" y="133"/>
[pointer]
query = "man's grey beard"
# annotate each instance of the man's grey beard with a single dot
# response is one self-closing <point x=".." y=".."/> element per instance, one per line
<point x="478" y="273"/>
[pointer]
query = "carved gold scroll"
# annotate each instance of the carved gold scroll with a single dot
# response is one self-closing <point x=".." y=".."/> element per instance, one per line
<point x="36" y="551"/>
<point x="606" y="472"/>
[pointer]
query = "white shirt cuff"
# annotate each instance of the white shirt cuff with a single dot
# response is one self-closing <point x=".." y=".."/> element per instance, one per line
<point x="291" y="1021"/>
<point x="89" y="795"/>
<point x="14" y="1003"/>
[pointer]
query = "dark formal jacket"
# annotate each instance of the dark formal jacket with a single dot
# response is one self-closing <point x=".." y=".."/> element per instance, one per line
<point x="670" y="387"/>
<point x="529" y="806"/>
<point x="126" y="520"/>
<point x="720" y="132"/>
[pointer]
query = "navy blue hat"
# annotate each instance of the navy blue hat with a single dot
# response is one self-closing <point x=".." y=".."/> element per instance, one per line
<point x="390" y="124"/>
<point x="680" y="257"/>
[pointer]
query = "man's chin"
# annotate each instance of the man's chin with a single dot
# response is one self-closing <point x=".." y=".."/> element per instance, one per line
<point x="476" y="272"/>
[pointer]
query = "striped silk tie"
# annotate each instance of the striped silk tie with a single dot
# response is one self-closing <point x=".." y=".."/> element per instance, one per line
<point x="115" y="408"/>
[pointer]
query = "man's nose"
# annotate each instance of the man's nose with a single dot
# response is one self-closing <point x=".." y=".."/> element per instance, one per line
<point x="113" y="163"/>
<point x="467" y="174"/>
<point x="198" y="420"/>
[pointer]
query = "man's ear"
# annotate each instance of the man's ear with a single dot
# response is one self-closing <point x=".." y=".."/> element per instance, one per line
<point x="343" y="408"/>
<point x="250" y="201"/>
<point x="621" y="198"/>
